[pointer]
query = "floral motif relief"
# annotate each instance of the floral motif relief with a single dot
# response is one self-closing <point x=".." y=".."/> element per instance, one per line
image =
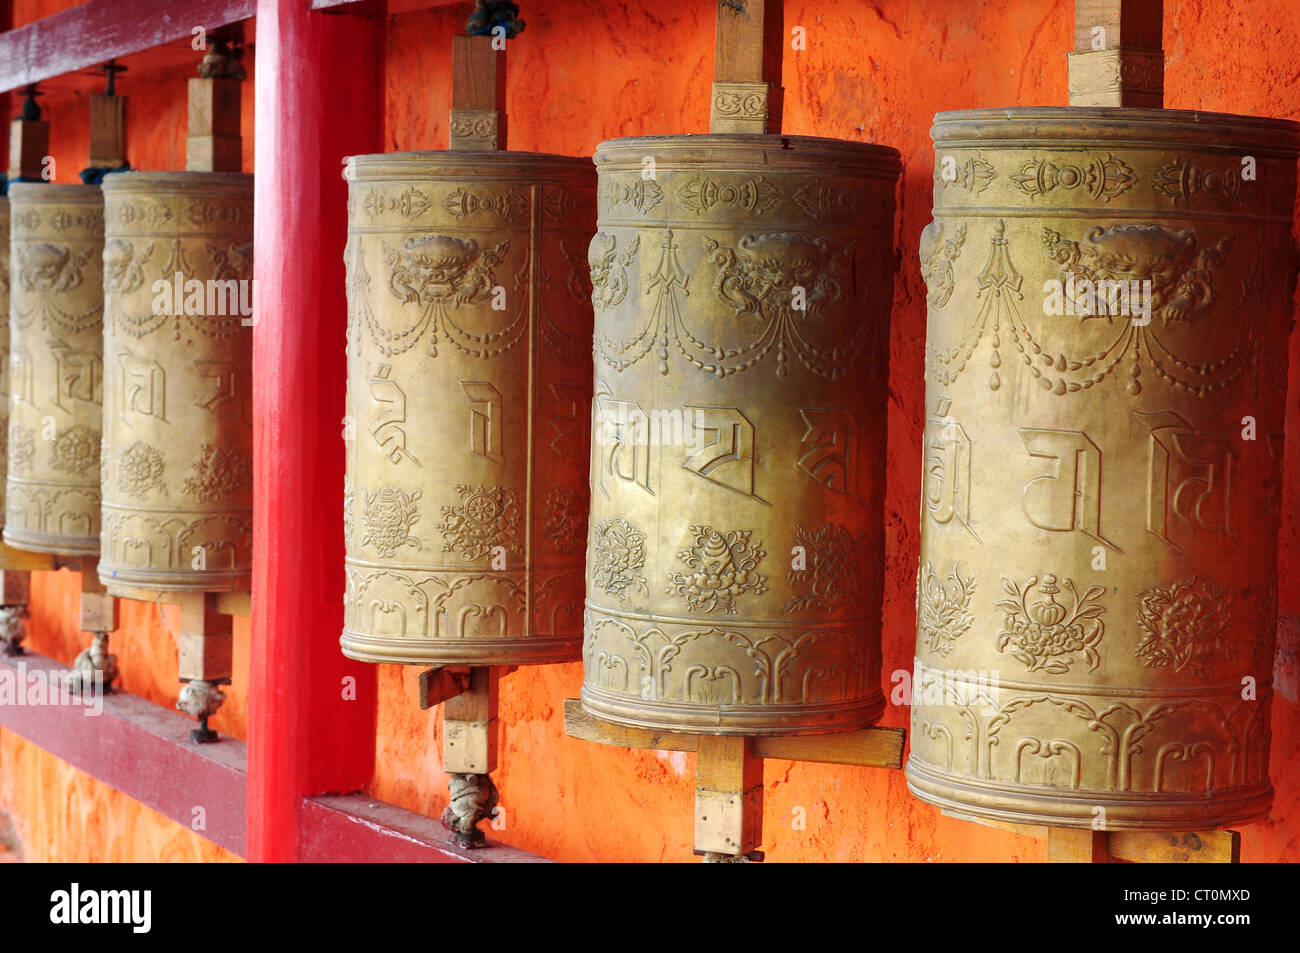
<point x="218" y="473"/>
<point x="388" y="518"/>
<point x="712" y="666"/>
<point x="565" y="520"/>
<point x="943" y="607"/>
<point x="830" y="572"/>
<point x="91" y="222"/>
<point x="609" y="282"/>
<point x="641" y="194"/>
<point x="148" y="213"/>
<point x="578" y="281"/>
<point x="234" y="214"/>
<point x="1047" y="634"/>
<point x="974" y="175"/>
<point x="407" y="203"/>
<point x="234" y="261"/>
<point x="124" y="267"/>
<point x="46" y="267"/>
<point x="1103" y="178"/>
<point x="27" y="221"/>
<point x="470" y="125"/>
<point x="22" y="447"/>
<point x="740" y="102"/>
<point x="754" y="195"/>
<point x="937" y="256"/>
<point x="1180" y="180"/>
<point x="507" y="204"/>
<point x="618" y="557"/>
<point x="435" y="271"/>
<point x="140" y="470"/>
<point x="349" y="502"/>
<point x="76" y="450"/>
<point x="487" y="517"/>
<point x="722" y="567"/>
<point x="1185" y="625"/>
<point x="821" y="200"/>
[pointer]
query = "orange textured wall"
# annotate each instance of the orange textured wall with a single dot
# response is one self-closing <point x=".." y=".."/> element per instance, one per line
<point x="64" y="815"/>
<point x="588" y="70"/>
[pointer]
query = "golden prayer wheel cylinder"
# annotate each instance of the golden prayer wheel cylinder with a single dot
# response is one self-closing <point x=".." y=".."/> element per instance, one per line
<point x="56" y="368"/>
<point x="742" y="287"/>
<point x="469" y="383"/>
<point x="178" y="447"/>
<point x="1106" y="372"/>
<point x="4" y="347"/>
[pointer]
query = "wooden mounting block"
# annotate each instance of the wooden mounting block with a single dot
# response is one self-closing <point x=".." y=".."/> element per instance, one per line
<point x="1076" y="845"/>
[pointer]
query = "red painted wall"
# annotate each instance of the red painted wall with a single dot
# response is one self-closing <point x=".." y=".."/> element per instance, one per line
<point x="584" y="71"/>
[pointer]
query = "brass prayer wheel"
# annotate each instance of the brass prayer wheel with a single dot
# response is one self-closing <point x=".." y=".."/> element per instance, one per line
<point x="1106" y="372"/>
<point x="742" y="291"/>
<point x="178" y="455"/>
<point x="56" y="369"/>
<point x="4" y="347"/>
<point x="469" y="382"/>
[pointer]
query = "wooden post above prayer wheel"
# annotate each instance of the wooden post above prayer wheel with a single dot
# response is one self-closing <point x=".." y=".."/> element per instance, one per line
<point x="747" y="67"/>
<point x="213" y="142"/>
<point x="478" y="93"/>
<point x="108" y="123"/>
<point x="29" y="140"/>
<point x="1117" y="58"/>
<point x="741" y="284"/>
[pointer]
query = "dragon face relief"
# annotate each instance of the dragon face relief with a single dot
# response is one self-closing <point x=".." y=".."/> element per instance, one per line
<point x="434" y="268"/>
<point x="122" y="272"/>
<point x="47" y="267"/>
<point x="435" y="265"/>
<point x="776" y="263"/>
<point x="1180" y="274"/>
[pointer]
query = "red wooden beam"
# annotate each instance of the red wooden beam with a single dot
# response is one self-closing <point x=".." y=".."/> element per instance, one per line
<point x="143" y="750"/>
<point x="135" y="746"/>
<point x="352" y="828"/>
<point x="320" y="97"/>
<point x="99" y="30"/>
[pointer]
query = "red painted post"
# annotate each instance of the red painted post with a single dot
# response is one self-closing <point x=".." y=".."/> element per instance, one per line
<point x="320" y="97"/>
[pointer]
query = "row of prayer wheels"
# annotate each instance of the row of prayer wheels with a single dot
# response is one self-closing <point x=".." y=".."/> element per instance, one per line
<point x="129" y="432"/>
<point x="635" y="415"/>
<point x="1096" y="594"/>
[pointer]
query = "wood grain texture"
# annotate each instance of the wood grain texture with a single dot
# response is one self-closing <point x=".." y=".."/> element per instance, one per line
<point x="870" y="747"/>
<point x="1072" y="845"/>
<point x="578" y="724"/>
<point x="1154" y="847"/>
<point x="1128" y="23"/>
